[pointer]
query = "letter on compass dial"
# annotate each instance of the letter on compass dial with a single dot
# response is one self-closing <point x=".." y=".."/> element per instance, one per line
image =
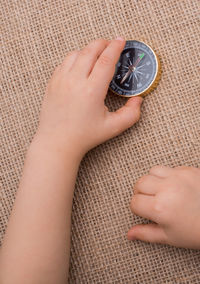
<point x="132" y="69"/>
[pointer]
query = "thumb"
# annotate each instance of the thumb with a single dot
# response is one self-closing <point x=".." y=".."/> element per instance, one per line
<point x="124" y="117"/>
<point x="152" y="233"/>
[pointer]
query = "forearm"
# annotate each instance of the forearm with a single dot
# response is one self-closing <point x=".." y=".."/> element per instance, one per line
<point x="36" y="244"/>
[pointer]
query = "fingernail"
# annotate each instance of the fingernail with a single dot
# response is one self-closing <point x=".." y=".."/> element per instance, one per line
<point x="120" y="38"/>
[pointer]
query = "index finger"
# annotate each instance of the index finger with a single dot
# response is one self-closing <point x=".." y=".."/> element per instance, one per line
<point x="104" y="67"/>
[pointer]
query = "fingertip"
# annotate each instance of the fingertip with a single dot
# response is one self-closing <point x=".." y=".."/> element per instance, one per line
<point x="134" y="104"/>
<point x="120" y="38"/>
<point x="126" y="116"/>
<point x="102" y="41"/>
<point x="130" y="235"/>
<point x="139" y="100"/>
<point x="120" y="42"/>
<point x="136" y="101"/>
<point x="161" y="171"/>
<point x="151" y="233"/>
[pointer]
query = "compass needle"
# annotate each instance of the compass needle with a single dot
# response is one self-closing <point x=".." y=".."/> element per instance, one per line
<point x="141" y="66"/>
<point x="130" y="77"/>
<point x="137" y="71"/>
<point x="123" y="70"/>
<point x="136" y="77"/>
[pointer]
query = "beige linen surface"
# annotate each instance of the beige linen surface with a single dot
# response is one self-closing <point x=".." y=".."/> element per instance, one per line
<point x="35" y="37"/>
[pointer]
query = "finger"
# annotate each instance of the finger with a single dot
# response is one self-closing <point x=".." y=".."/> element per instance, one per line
<point x="161" y="171"/>
<point x="152" y="233"/>
<point x="104" y="68"/>
<point x="148" y="184"/>
<point x="143" y="206"/>
<point x="124" y="117"/>
<point x="88" y="56"/>
<point x="183" y="168"/>
<point x="69" y="60"/>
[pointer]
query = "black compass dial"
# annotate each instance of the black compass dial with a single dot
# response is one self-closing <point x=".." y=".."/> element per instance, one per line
<point x="135" y="70"/>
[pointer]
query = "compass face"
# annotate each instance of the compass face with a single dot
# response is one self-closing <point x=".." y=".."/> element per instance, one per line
<point x="135" y="71"/>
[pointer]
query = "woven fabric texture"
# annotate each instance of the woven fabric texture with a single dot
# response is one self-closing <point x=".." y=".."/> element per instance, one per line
<point x="35" y="37"/>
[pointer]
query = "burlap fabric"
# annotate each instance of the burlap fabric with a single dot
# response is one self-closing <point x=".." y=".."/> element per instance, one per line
<point x="35" y="37"/>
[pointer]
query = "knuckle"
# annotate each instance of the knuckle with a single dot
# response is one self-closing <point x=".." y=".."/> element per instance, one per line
<point x="72" y="53"/>
<point x="85" y="51"/>
<point x="105" y="60"/>
<point x="162" y="209"/>
<point x="90" y="89"/>
<point x="89" y="86"/>
<point x="155" y="169"/>
<point x="141" y="180"/>
<point x="159" y="208"/>
<point x="99" y="41"/>
<point x="68" y="56"/>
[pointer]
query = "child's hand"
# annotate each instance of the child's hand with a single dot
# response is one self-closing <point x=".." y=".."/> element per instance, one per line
<point x="171" y="198"/>
<point x="73" y="120"/>
<point x="73" y="111"/>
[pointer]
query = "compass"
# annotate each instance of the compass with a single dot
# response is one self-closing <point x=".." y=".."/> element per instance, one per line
<point x="137" y="72"/>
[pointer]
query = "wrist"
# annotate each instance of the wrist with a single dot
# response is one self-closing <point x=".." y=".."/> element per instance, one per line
<point x="42" y="143"/>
